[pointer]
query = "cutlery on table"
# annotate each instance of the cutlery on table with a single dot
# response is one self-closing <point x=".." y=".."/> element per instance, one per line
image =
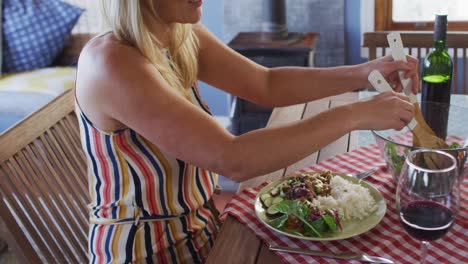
<point x="346" y="256"/>
<point x="362" y="175"/>
<point x="421" y="131"/>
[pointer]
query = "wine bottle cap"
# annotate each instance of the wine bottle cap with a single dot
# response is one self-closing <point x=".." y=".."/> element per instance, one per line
<point x="440" y="28"/>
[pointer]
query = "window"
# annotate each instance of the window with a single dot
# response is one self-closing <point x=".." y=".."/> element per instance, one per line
<point x="419" y="14"/>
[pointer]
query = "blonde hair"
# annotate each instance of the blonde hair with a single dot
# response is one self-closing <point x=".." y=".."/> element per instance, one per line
<point x="125" y="19"/>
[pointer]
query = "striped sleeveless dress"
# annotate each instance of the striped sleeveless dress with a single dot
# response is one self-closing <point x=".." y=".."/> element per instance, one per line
<point x="146" y="205"/>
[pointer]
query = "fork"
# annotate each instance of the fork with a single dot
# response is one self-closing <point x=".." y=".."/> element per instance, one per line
<point x="362" y="175"/>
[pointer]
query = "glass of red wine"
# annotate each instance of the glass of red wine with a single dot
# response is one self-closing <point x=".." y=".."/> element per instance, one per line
<point x="428" y="198"/>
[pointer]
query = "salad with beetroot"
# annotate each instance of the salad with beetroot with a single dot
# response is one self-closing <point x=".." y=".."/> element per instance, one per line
<point x="290" y="207"/>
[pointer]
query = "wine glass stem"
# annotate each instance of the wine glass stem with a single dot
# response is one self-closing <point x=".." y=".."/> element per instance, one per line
<point x="424" y="247"/>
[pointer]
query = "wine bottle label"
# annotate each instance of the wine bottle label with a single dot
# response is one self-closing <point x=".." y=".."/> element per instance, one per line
<point x="440" y="28"/>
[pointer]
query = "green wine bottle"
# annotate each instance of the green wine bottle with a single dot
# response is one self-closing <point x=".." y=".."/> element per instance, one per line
<point x="437" y="79"/>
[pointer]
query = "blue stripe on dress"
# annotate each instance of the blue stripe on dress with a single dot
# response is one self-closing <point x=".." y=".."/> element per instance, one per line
<point x="94" y="163"/>
<point x="150" y="157"/>
<point x="171" y="244"/>
<point x="189" y="238"/>
<point x="108" y="247"/>
<point x="91" y="246"/>
<point x="211" y="178"/>
<point x="137" y="184"/>
<point x="116" y="174"/>
<point x="200" y="185"/>
<point x="180" y="194"/>
<point x="129" y="245"/>
<point x="205" y="229"/>
<point x="209" y="235"/>
<point x="148" y="244"/>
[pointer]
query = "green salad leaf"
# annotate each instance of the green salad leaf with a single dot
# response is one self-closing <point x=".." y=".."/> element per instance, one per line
<point x="278" y="222"/>
<point x="330" y="221"/>
<point x="284" y="207"/>
<point x="301" y="211"/>
<point x="293" y="207"/>
<point x="319" y="225"/>
<point x="396" y="160"/>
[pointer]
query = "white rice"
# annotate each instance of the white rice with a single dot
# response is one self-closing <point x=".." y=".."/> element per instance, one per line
<point x="351" y="200"/>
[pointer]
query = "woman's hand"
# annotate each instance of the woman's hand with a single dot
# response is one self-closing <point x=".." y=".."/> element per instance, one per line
<point x="390" y="68"/>
<point x="383" y="111"/>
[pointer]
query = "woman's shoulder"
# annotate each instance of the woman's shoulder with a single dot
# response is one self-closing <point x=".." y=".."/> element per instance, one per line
<point x="105" y="70"/>
<point x="106" y="52"/>
<point x="106" y="63"/>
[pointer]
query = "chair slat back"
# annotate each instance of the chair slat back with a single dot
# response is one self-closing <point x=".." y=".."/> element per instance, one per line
<point x="43" y="186"/>
<point x="419" y="44"/>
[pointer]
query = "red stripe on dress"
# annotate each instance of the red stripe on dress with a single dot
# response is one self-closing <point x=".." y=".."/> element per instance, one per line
<point x="149" y="183"/>
<point x="98" y="245"/>
<point x="159" y="240"/>
<point x="104" y="168"/>
<point x="207" y="183"/>
<point x="161" y="256"/>
<point x="190" y="227"/>
<point x="204" y="214"/>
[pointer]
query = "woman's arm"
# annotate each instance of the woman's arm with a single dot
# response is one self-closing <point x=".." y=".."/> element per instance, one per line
<point x="222" y="67"/>
<point x="118" y="85"/>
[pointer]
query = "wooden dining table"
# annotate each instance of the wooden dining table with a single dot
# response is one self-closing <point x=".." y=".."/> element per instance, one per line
<point x="235" y="243"/>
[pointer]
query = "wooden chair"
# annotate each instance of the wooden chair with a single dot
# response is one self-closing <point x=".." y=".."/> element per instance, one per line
<point x="418" y="44"/>
<point x="44" y="192"/>
<point x="43" y="186"/>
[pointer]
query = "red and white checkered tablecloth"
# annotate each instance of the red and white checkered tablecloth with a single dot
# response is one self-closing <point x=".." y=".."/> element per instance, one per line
<point x="407" y="139"/>
<point x="388" y="239"/>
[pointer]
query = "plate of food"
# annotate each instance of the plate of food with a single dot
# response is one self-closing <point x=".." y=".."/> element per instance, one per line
<point x="320" y="206"/>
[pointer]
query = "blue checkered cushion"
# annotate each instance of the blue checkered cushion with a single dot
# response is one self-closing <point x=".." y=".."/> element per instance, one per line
<point x="35" y="32"/>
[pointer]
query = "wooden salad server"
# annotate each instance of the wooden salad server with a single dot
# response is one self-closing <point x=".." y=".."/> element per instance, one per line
<point x="425" y="137"/>
<point x="396" y="46"/>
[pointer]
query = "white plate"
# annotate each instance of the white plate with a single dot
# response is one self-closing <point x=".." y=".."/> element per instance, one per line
<point x="351" y="227"/>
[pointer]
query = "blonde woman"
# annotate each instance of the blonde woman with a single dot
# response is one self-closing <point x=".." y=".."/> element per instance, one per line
<point x="153" y="148"/>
